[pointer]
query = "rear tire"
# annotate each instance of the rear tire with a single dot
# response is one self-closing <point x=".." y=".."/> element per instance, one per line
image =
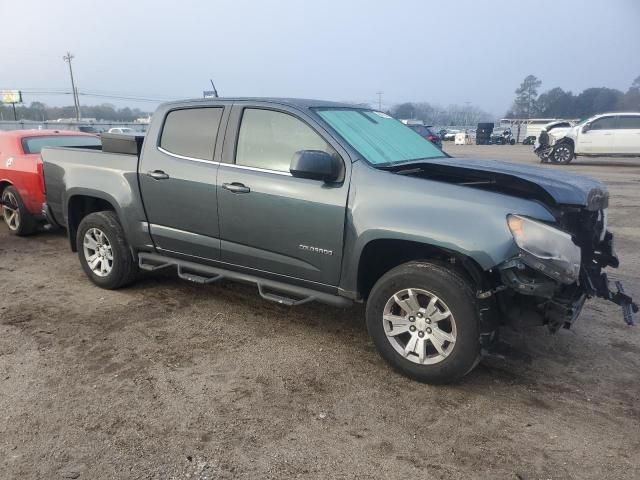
<point x="563" y="153"/>
<point x="16" y="217"/>
<point x="104" y="252"/>
<point x="430" y="345"/>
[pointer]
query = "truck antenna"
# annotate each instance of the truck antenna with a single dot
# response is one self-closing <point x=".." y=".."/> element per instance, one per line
<point x="215" y="92"/>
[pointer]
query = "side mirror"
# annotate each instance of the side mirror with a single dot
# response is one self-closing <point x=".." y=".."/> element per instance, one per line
<point x="316" y="165"/>
<point x="586" y="128"/>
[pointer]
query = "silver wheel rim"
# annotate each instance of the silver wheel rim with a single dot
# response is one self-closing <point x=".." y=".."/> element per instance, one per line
<point x="11" y="214"/>
<point x="562" y="154"/>
<point x="419" y="326"/>
<point x="98" y="252"/>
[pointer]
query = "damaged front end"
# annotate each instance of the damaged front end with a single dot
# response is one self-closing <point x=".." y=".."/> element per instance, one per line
<point x="557" y="269"/>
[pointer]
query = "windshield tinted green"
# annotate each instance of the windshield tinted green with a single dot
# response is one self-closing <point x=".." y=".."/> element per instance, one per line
<point x="35" y="144"/>
<point x="379" y="138"/>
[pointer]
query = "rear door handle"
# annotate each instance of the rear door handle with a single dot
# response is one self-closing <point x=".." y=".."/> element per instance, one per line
<point x="158" y="175"/>
<point x="236" y="187"/>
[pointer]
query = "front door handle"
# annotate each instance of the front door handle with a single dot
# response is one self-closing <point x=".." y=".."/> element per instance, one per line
<point x="236" y="187"/>
<point x="158" y="175"/>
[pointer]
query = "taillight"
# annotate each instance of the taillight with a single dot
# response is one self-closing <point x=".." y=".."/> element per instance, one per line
<point x="40" y="170"/>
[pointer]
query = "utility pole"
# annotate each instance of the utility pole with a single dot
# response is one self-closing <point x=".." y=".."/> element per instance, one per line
<point x="76" y="101"/>
<point x="379" y="100"/>
<point x="215" y="92"/>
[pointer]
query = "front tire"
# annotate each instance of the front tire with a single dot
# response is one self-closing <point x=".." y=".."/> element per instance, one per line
<point x="423" y="320"/>
<point x="15" y="214"/>
<point x="103" y="251"/>
<point x="563" y="153"/>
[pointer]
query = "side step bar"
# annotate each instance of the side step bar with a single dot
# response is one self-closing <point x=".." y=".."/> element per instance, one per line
<point x="273" y="290"/>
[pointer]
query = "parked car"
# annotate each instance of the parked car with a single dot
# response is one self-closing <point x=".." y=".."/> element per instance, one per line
<point x="21" y="183"/>
<point x="126" y="130"/>
<point x="608" y="134"/>
<point x="450" y="134"/>
<point x="426" y="131"/>
<point x="88" y="129"/>
<point x="323" y="201"/>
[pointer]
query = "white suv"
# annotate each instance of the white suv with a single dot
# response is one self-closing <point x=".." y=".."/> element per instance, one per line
<point x="615" y="134"/>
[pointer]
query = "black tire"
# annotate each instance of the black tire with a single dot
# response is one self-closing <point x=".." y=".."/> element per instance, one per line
<point x="512" y="142"/>
<point x="452" y="289"/>
<point x="562" y="153"/>
<point x="123" y="268"/>
<point x="22" y="224"/>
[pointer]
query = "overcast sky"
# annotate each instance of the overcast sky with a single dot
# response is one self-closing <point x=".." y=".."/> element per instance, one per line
<point x="440" y="52"/>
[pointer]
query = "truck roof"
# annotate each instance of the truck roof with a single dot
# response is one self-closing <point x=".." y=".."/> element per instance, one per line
<point x="295" y="102"/>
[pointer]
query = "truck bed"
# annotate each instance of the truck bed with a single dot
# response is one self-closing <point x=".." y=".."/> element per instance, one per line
<point x="87" y="172"/>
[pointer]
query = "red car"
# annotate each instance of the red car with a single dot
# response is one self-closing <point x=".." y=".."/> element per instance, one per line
<point x="21" y="179"/>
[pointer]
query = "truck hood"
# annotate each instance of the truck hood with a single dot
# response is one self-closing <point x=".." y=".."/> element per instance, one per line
<point x="550" y="186"/>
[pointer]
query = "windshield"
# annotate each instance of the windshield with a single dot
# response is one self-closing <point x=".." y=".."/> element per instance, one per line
<point x="379" y="138"/>
<point x="36" y="144"/>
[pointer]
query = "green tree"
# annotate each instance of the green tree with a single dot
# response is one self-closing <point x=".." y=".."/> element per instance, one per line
<point x="597" y="100"/>
<point x="630" y="101"/>
<point x="524" y="106"/>
<point x="556" y="103"/>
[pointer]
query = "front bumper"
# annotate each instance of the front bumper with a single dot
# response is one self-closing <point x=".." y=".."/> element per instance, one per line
<point x="560" y="304"/>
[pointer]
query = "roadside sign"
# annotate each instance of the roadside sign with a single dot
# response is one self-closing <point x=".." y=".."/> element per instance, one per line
<point x="209" y="94"/>
<point x="11" y="96"/>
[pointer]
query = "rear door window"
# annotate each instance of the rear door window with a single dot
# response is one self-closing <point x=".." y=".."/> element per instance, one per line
<point x="629" y="122"/>
<point x="191" y="132"/>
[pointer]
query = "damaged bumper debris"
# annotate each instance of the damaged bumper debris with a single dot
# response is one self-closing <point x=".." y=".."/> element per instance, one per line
<point x="556" y="293"/>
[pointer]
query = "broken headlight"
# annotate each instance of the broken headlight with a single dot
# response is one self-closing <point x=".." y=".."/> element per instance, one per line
<point x="546" y="249"/>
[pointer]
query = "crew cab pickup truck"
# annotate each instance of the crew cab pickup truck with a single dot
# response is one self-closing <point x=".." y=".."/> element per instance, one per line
<point x="21" y="182"/>
<point x="608" y="134"/>
<point x="313" y="200"/>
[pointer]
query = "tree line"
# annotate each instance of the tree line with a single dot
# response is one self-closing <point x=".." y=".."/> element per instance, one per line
<point x="453" y="115"/>
<point x="41" y="112"/>
<point x="559" y="103"/>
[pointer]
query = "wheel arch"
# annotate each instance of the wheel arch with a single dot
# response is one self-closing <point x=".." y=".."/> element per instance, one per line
<point x="4" y="184"/>
<point x="383" y="254"/>
<point x="79" y="205"/>
<point x="564" y="140"/>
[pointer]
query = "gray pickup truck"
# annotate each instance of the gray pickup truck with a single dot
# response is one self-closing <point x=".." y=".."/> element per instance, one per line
<point x="323" y="201"/>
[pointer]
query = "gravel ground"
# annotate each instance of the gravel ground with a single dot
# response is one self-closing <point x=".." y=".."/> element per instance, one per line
<point x="167" y="380"/>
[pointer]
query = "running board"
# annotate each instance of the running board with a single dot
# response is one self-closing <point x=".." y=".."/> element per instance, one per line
<point x="273" y="290"/>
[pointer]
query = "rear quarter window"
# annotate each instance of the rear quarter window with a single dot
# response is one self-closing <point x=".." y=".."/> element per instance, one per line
<point x="36" y="144"/>
<point x="191" y="132"/>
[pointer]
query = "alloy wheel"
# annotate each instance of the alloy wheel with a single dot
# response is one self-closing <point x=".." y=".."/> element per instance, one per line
<point x="419" y="326"/>
<point x="10" y="211"/>
<point x="562" y="154"/>
<point x="98" y="252"/>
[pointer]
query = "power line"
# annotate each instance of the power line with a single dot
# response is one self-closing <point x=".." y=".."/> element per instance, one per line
<point x="122" y="97"/>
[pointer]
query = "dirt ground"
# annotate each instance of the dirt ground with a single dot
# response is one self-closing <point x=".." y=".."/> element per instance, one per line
<point x="168" y="380"/>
